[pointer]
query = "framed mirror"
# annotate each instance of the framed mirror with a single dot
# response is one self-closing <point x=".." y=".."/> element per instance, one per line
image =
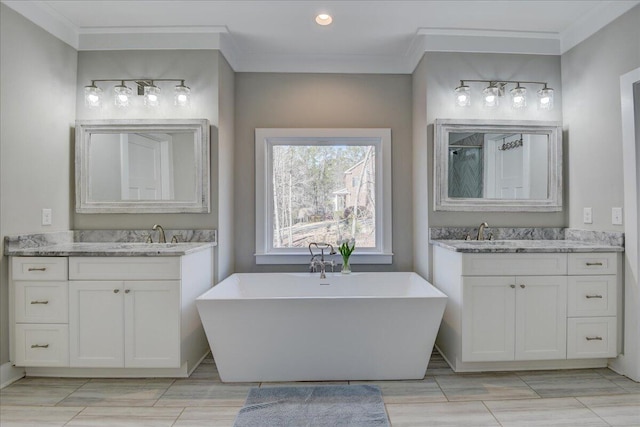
<point x="140" y="166"/>
<point x="497" y="165"/>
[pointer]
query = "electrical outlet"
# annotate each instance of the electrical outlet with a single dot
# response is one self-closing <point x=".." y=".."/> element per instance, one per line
<point x="616" y="216"/>
<point x="46" y="216"/>
<point x="587" y="216"/>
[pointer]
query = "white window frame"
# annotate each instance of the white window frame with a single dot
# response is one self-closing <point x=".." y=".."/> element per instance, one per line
<point x="266" y="138"/>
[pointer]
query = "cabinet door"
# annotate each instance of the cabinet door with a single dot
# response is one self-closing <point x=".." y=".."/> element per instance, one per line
<point x="488" y="316"/>
<point x="541" y="317"/>
<point x="152" y="319"/>
<point x="96" y="324"/>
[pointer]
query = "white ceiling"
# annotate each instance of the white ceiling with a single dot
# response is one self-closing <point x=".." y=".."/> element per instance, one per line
<point x="366" y="36"/>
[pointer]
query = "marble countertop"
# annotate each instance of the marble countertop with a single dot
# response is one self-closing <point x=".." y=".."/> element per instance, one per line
<point x="524" y="246"/>
<point x="111" y="249"/>
<point x="108" y="243"/>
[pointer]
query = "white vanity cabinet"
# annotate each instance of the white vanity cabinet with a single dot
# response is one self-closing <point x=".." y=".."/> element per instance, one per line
<point x="39" y="292"/>
<point x="592" y="308"/>
<point x="526" y="310"/>
<point x="124" y="323"/>
<point x="109" y="315"/>
<point x="131" y="324"/>
<point x="513" y="318"/>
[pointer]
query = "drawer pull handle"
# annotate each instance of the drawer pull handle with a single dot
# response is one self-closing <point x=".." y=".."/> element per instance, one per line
<point x="512" y="286"/>
<point x="40" y="346"/>
<point x="115" y="291"/>
<point x="593" y="296"/>
<point x="589" y="264"/>
<point x="594" y="338"/>
<point x="523" y="286"/>
<point x="39" y="302"/>
<point x="37" y="268"/>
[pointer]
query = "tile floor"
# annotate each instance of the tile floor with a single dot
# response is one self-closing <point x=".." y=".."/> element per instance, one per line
<point x="586" y="397"/>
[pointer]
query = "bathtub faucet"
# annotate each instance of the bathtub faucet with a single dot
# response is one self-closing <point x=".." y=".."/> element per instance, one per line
<point x="315" y="262"/>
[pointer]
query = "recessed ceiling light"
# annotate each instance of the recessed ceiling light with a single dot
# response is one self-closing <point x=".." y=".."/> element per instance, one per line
<point x="324" y="19"/>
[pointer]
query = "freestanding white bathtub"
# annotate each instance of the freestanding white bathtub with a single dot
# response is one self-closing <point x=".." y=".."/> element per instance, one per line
<point x="298" y="327"/>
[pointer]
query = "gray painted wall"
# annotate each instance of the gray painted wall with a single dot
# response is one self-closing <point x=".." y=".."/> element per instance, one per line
<point x="225" y="170"/>
<point x="443" y="73"/>
<point x="434" y="80"/>
<point x="592" y="118"/>
<point x="211" y="80"/>
<point x="322" y="101"/>
<point x="37" y="110"/>
<point x="422" y="171"/>
<point x="199" y="68"/>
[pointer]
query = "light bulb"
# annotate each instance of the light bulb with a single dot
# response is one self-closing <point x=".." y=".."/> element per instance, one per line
<point x="491" y="96"/>
<point x="182" y="97"/>
<point x="545" y="98"/>
<point x="122" y="95"/>
<point x="151" y="95"/>
<point x="463" y="95"/>
<point x="324" y="19"/>
<point x="92" y="96"/>
<point x="518" y="97"/>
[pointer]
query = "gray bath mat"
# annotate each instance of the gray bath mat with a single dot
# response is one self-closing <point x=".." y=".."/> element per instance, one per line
<point x="345" y="405"/>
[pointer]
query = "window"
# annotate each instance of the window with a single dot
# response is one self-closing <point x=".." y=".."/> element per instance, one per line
<point x="323" y="185"/>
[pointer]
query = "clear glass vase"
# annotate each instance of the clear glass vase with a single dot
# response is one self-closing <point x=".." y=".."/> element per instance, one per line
<point x="346" y="267"/>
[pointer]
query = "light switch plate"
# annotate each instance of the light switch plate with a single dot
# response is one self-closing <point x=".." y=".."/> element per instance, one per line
<point x="587" y="216"/>
<point x="616" y="216"/>
<point x="46" y="216"/>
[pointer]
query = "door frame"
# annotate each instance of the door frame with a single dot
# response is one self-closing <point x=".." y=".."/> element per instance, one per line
<point x="629" y="362"/>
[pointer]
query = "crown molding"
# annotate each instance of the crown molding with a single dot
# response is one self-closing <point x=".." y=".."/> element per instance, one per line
<point x="219" y="37"/>
<point x="361" y="64"/>
<point x="592" y="22"/>
<point x="48" y="19"/>
<point x="489" y="41"/>
<point x="152" y="38"/>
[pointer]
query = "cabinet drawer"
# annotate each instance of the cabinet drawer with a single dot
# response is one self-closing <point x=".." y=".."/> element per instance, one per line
<point x="545" y="264"/>
<point x="39" y="268"/>
<point x="593" y="263"/>
<point x="592" y="296"/>
<point x="41" y="302"/>
<point x="589" y="337"/>
<point x="42" y="345"/>
<point x="124" y="268"/>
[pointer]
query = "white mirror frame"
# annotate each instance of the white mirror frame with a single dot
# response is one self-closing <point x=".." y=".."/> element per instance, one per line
<point x="442" y="202"/>
<point x="200" y="129"/>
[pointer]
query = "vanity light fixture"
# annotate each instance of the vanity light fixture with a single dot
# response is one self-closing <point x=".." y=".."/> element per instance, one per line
<point x="491" y="94"/>
<point x="92" y="95"/>
<point x="518" y="97"/>
<point x="545" y="98"/>
<point x="182" y="97"/>
<point x="122" y="95"/>
<point x="151" y="95"/>
<point x="324" y="19"/>
<point x="463" y="95"/>
<point x="147" y="87"/>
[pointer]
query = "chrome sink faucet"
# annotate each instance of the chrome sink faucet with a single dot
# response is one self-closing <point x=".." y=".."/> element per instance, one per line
<point x="481" y="231"/>
<point x="315" y="262"/>
<point x="161" y="236"/>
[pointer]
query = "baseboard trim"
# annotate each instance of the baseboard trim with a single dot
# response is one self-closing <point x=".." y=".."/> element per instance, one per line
<point x="108" y="372"/>
<point x="523" y="365"/>
<point x="10" y="374"/>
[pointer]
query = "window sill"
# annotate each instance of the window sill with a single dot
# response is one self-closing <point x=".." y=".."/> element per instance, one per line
<point x="303" y="258"/>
